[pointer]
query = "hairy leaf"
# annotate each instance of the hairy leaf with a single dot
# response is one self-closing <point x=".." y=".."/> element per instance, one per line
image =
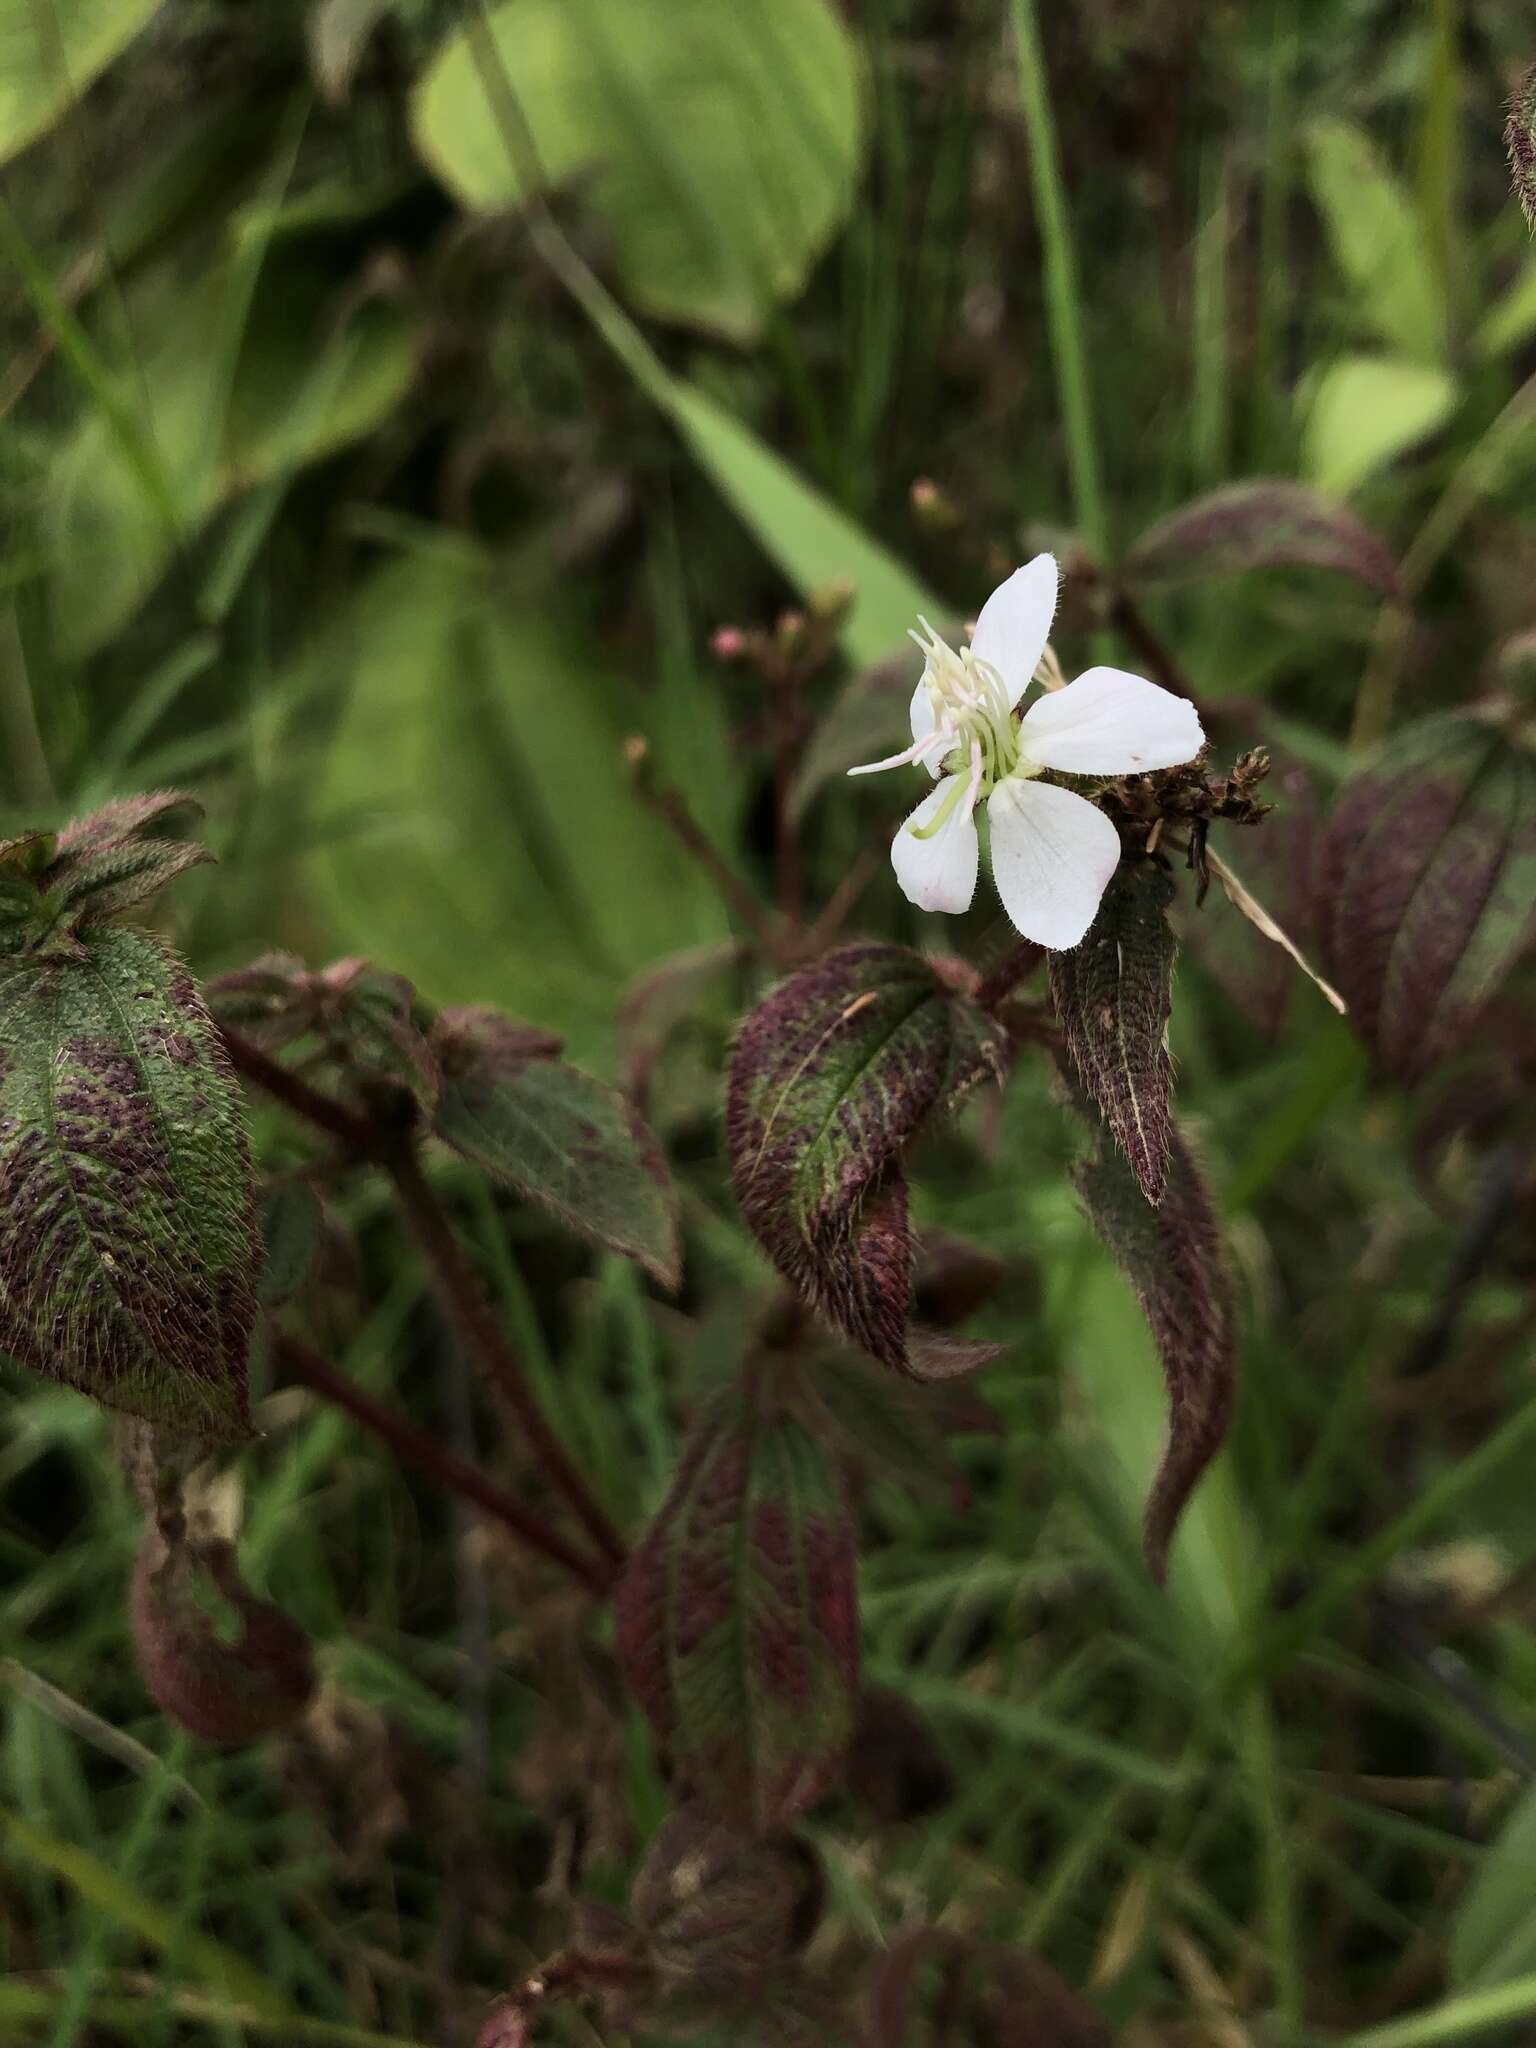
<point x="719" y="1910"/>
<point x="555" y="1135"/>
<point x="1114" y="994"/>
<point x="1259" y="524"/>
<point x="1425" y="885"/>
<point x="271" y="1001"/>
<point x="127" y="1234"/>
<point x="114" y="878"/>
<point x="1520" y="141"/>
<point x="52" y="885"/>
<point x="375" y="1023"/>
<point x="737" y="1616"/>
<point x="125" y="818"/>
<point x="1172" y="1256"/>
<point x="879" y="1424"/>
<point x="833" y="1075"/>
<point x="222" y="1664"/>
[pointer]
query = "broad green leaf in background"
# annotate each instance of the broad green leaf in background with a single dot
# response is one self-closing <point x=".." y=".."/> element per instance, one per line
<point x="226" y="408"/>
<point x="720" y="145"/>
<point x="1377" y="239"/>
<point x="1364" y="411"/>
<point x="49" y="54"/>
<point x="1493" y="1936"/>
<point x="474" y="823"/>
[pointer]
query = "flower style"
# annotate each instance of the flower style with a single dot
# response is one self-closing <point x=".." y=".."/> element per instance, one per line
<point x="1053" y="852"/>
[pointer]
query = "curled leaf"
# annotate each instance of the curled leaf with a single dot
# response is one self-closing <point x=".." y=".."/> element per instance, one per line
<point x="1261" y="523"/>
<point x="376" y="1025"/>
<point x="127" y="1234"/>
<point x="1114" y="994"/>
<point x="1425" y="885"/>
<point x="720" y="1911"/>
<point x="833" y="1075"/>
<point x="54" y="885"/>
<point x="1172" y="1256"/>
<point x="737" y="1616"/>
<point x="555" y="1135"/>
<point x="221" y="1663"/>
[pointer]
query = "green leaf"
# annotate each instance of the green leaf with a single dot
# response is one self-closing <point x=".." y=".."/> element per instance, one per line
<point x="50" y="54"/>
<point x="1376" y="238"/>
<point x="1493" y="1937"/>
<point x="555" y="1135"/>
<point x="292" y="1226"/>
<point x="833" y="1075"/>
<point x="720" y="150"/>
<point x="127" y="1235"/>
<point x="1258" y="524"/>
<point x="1362" y="412"/>
<point x="1114" y="995"/>
<point x="231" y="409"/>
<point x="1426" y="887"/>
<point x="443" y="821"/>
<point x="737" y="1616"/>
<point x="1173" y="1258"/>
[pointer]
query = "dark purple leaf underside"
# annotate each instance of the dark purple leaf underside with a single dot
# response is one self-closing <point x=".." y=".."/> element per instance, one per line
<point x="1172" y="1256"/>
<point x="737" y="1618"/>
<point x="1425" y="884"/>
<point x="1113" y="995"/>
<point x="127" y="1232"/>
<point x="1265" y="522"/>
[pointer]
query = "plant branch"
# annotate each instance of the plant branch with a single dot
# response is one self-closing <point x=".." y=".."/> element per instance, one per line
<point x="671" y="806"/>
<point x="287" y="1087"/>
<point x="419" y="1451"/>
<point x="1020" y="960"/>
<point x="470" y="1317"/>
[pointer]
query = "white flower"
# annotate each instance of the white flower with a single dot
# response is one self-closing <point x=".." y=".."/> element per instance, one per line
<point x="1053" y="852"/>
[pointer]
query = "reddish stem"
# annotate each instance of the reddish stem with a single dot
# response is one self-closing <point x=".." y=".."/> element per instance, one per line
<point x="287" y="1087"/>
<point x="412" y="1447"/>
<point x="1020" y="960"/>
<point x="470" y="1318"/>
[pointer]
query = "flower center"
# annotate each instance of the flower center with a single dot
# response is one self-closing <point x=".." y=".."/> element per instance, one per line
<point x="973" y="720"/>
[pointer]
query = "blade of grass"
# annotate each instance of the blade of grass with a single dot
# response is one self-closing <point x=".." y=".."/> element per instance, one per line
<point x="1069" y="346"/>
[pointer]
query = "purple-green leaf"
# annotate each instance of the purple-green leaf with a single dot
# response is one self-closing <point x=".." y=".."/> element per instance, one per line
<point x="127" y="1234"/>
<point x="833" y="1075"/>
<point x="1263" y="523"/>
<point x="555" y="1135"/>
<point x="1172" y="1256"/>
<point x="737" y="1616"/>
<point x="1113" y="994"/>
<point x="376" y="1025"/>
<point x="1425" y="887"/>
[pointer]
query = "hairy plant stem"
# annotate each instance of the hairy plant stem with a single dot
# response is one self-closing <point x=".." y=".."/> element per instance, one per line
<point x="295" y="1093"/>
<point x="671" y="806"/>
<point x="465" y="1307"/>
<point x="472" y="1321"/>
<point x="415" y="1448"/>
<point x="1020" y="960"/>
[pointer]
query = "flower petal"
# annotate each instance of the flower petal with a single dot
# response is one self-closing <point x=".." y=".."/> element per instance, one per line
<point x="1110" y="723"/>
<point x="939" y="873"/>
<point x="1015" y="624"/>
<point x="1052" y="856"/>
